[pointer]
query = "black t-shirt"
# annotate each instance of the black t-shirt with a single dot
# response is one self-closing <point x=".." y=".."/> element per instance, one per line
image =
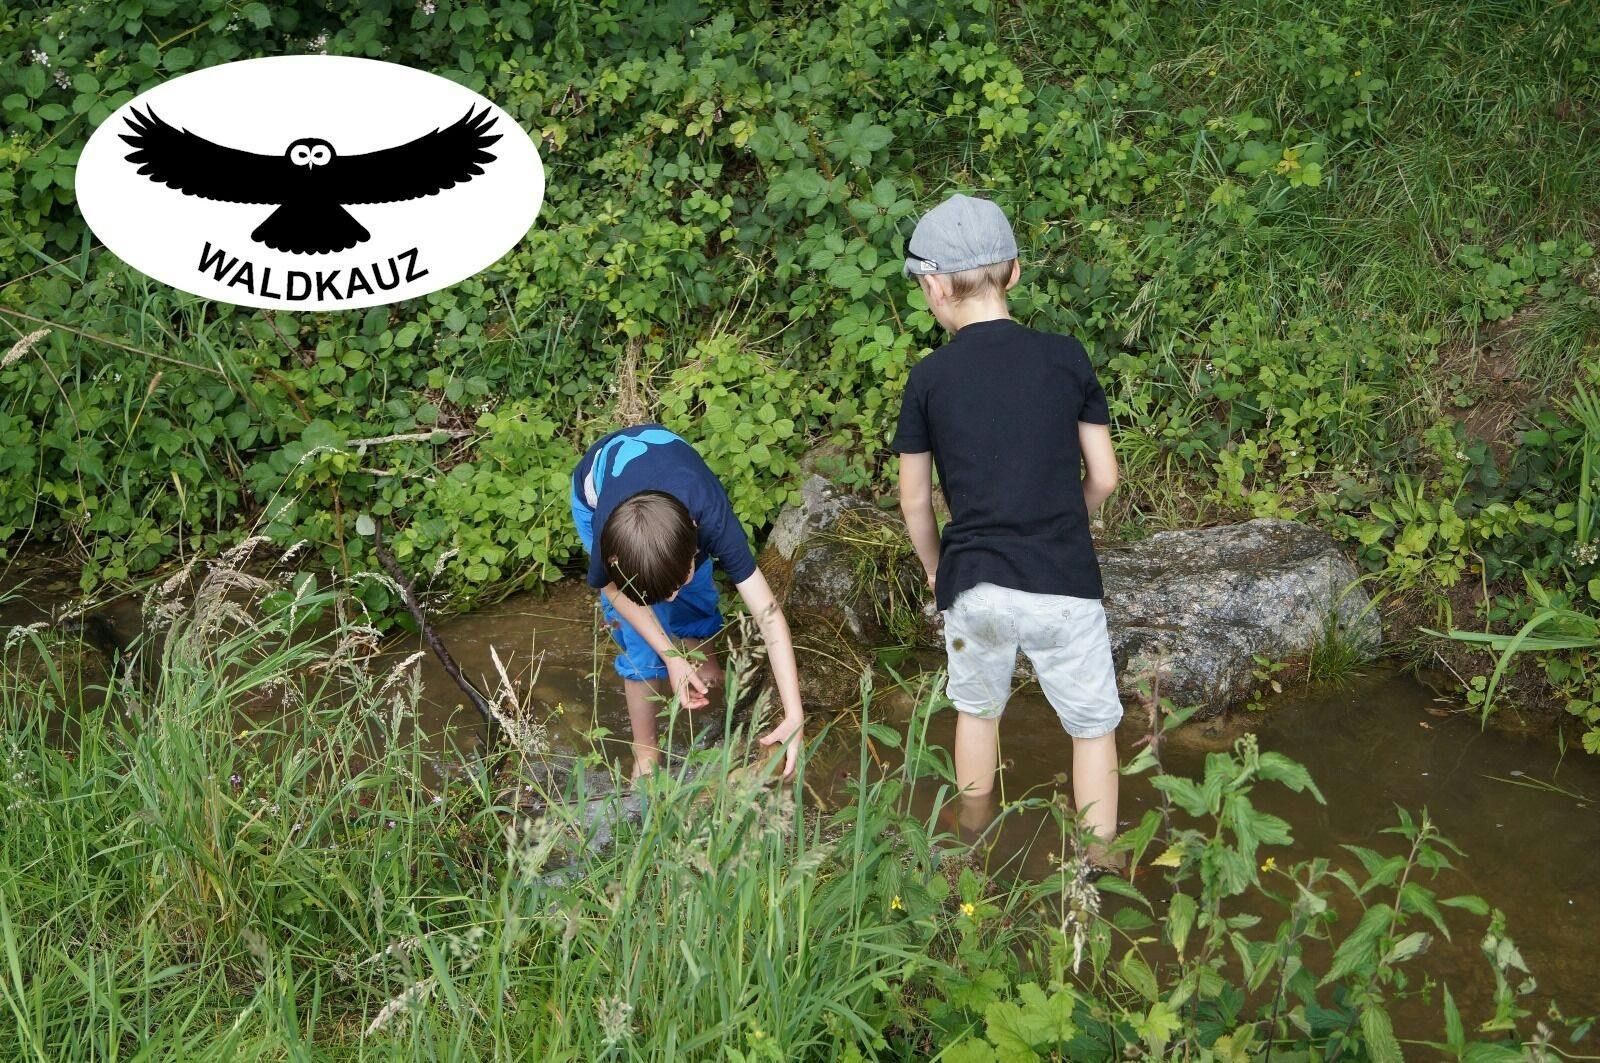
<point x="999" y="407"/>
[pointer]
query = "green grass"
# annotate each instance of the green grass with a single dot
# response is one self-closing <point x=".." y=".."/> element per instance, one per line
<point x="259" y="855"/>
<point x="255" y="853"/>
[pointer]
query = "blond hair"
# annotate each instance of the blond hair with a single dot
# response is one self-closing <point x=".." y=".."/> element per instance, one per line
<point x="967" y="283"/>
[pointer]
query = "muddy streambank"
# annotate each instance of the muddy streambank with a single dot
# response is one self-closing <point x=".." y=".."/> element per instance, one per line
<point x="1374" y="742"/>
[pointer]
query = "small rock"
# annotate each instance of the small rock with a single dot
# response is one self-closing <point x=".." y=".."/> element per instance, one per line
<point x="821" y="506"/>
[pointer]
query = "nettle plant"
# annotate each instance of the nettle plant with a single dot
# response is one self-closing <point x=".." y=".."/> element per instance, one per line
<point x="1232" y="953"/>
<point x="725" y="219"/>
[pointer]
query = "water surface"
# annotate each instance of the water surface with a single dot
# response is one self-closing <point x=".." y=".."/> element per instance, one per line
<point x="1373" y="743"/>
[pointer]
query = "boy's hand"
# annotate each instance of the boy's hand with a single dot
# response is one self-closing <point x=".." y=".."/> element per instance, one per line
<point x="684" y="678"/>
<point x="790" y="730"/>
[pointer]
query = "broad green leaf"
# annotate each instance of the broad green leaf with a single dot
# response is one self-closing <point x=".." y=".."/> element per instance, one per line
<point x="1138" y="975"/>
<point x="1379" y="1033"/>
<point x="1455" y="1034"/>
<point x="1180" y="920"/>
<point x="1184" y="793"/>
<point x="1135" y="840"/>
<point x="1158" y="1025"/>
<point x="1413" y="944"/>
<point x="971" y="1050"/>
<point x="1361" y="947"/>
<point x="1014" y="1032"/>
<point x="1280" y="769"/>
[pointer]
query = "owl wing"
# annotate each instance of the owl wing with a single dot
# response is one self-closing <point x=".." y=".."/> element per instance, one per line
<point x="432" y="162"/>
<point x="197" y="167"/>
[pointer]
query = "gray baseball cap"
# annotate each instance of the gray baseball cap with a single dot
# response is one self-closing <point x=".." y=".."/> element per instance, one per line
<point x="963" y="232"/>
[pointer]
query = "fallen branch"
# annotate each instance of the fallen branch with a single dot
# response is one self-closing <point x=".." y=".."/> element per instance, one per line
<point x="409" y="596"/>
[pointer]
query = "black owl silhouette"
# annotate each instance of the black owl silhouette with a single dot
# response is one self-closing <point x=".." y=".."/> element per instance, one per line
<point x="310" y="182"/>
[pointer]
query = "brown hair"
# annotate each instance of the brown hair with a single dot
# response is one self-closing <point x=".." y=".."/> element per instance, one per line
<point x="648" y="544"/>
<point x="969" y="282"/>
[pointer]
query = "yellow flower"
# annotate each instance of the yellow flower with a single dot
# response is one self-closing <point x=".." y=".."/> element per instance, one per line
<point x="967" y="909"/>
<point x="1356" y="74"/>
<point x="1270" y="865"/>
<point x="896" y="905"/>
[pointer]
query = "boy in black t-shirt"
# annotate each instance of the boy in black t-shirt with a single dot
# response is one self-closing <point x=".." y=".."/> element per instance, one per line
<point x="1016" y="424"/>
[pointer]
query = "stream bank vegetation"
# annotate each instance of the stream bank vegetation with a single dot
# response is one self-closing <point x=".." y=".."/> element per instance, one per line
<point x="256" y="853"/>
<point x="1334" y="263"/>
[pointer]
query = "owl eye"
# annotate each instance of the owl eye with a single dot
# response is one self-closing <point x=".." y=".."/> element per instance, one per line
<point x="319" y="155"/>
<point x="299" y="154"/>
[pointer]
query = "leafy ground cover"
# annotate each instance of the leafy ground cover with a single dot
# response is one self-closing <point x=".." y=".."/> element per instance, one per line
<point x="1332" y="261"/>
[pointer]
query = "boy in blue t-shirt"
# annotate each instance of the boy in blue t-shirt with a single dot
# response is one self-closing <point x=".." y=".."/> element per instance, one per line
<point x="653" y="518"/>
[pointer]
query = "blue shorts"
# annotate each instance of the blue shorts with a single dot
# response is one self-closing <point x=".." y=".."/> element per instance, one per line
<point x="692" y="613"/>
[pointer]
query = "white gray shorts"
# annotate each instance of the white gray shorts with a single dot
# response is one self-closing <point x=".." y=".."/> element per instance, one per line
<point x="1064" y="637"/>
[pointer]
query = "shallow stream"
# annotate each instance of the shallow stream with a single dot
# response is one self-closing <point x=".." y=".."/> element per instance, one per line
<point x="1378" y="741"/>
<point x="1525" y="816"/>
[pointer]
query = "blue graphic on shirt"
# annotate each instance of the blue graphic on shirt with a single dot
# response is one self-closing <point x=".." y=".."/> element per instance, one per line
<point x="653" y="458"/>
<point x="624" y="448"/>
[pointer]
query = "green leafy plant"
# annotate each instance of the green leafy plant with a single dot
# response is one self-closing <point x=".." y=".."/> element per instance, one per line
<point x="1307" y="270"/>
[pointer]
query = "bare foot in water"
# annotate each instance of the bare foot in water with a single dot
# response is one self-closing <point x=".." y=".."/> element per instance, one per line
<point x="1102" y="862"/>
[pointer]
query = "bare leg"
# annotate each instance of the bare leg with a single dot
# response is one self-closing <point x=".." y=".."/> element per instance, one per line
<point x="975" y="815"/>
<point x="1094" y="788"/>
<point x="642" y="695"/>
<point x="977" y="754"/>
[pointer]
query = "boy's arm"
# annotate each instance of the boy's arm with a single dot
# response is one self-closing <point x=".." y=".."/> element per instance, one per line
<point x="1099" y="464"/>
<point x="683" y="676"/>
<point x="769" y="617"/>
<point x="916" y="505"/>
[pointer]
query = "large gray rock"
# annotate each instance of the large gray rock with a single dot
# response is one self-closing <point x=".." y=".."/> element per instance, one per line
<point x="821" y="507"/>
<point x="1198" y="607"/>
<point x="1194" y="609"/>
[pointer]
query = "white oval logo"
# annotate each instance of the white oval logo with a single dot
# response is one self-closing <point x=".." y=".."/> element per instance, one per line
<point x="310" y="182"/>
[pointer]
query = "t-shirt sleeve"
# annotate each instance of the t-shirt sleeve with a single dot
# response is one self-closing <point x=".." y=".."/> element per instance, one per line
<point x="1093" y="409"/>
<point x="722" y="534"/>
<point x="911" y="433"/>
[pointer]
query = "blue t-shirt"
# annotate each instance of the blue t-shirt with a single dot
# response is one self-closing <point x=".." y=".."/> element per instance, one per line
<point x="648" y="457"/>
